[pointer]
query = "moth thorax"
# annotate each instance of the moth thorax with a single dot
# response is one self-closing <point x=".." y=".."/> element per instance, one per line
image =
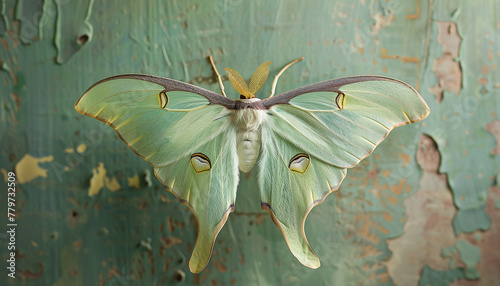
<point x="249" y="118"/>
<point x="248" y="122"/>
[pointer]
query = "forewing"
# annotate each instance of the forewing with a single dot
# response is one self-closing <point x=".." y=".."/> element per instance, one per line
<point x="157" y="120"/>
<point x="342" y="121"/>
<point x="335" y="124"/>
<point x="185" y="132"/>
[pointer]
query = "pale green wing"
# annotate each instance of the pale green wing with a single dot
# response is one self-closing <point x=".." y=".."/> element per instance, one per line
<point x="289" y="194"/>
<point x="208" y="188"/>
<point x="185" y="132"/>
<point x="332" y="126"/>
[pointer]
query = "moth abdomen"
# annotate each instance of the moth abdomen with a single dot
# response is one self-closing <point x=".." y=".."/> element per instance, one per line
<point x="248" y="123"/>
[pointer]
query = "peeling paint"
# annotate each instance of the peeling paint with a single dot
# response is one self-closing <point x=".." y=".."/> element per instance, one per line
<point x="169" y="241"/>
<point x="432" y="277"/>
<point x="430" y="211"/>
<point x="4" y="22"/>
<point x="97" y="180"/>
<point x="447" y="67"/>
<point x="112" y="184"/>
<point x="74" y="29"/>
<point x="148" y="178"/>
<point x="382" y="18"/>
<point x="28" y="168"/>
<point x="494" y="128"/>
<point x="438" y="251"/>
<point x="134" y="182"/>
<point x="81" y="148"/>
<point x="381" y="217"/>
<point x="470" y="255"/>
<point x="385" y="55"/>
<point x="30" y="15"/>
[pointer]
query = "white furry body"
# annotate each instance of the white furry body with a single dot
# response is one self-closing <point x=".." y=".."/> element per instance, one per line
<point x="248" y="123"/>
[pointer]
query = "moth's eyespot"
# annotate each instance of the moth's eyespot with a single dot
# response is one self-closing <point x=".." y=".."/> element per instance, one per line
<point x="299" y="163"/>
<point x="242" y="96"/>
<point x="340" y="100"/>
<point x="200" y="162"/>
<point x="163" y="99"/>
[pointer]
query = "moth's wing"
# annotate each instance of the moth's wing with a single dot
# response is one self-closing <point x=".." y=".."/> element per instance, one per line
<point x="336" y="124"/>
<point x="184" y="132"/>
<point x="290" y="195"/>
<point x="209" y="194"/>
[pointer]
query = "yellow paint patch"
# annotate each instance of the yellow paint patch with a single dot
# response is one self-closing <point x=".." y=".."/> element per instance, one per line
<point x="81" y="148"/>
<point x="134" y="182"/>
<point x="97" y="180"/>
<point x="383" y="230"/>
<point x="408" y="188"/>
<point x="5" y="176"/>
<point x="388" y="217"/>
<point x="393" y="200"/>
<point x="398" y="189"/>
<point x="27" y="169"/>
<point x="69" y="150"/>
<point x="405" y="158"/>
<point x="112" y="184"/>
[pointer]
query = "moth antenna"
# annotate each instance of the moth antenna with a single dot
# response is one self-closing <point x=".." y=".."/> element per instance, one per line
<point x="275" y="81"/>
<point x="219" y="78"/>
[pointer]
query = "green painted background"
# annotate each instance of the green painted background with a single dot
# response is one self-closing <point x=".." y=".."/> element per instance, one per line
<point x="422" y="210"/>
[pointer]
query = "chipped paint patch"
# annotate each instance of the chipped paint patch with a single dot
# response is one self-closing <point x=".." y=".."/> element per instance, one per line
<point x="446" y="67"/>
<point x="382" y="17"/>
<point x="112" y="184"/>
<point x="445" y="277"/>
<point x="494" y="128"/>
<point x="385" y="55"/>
<point x="69" y="150"/>
<point x="97" y="180"/>
<point x="28" y="169"/>
<point x="73" y="28"/>
<point x="437" y="250"/>
<point x="81" y="148"/>
<point x="430" y="212"/>
<point x="470" y="255"/>
<point x="30" y="14"/>
<point x="169" y="241"/>
<point x="5" y="176"/>
<point x="134" y="182"/>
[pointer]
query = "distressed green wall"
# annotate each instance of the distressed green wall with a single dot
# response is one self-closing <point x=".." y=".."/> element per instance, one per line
<point x="422" y="210"/>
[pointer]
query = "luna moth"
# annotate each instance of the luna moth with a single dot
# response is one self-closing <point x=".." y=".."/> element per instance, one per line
<point x="301" y="142"/>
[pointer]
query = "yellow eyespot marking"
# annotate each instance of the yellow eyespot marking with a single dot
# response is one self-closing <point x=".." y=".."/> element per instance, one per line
<point x="299" y="163"/>
<point x="340" y="100"/>
<point x="163" y="99"/>
<point x="200" y="162"/>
